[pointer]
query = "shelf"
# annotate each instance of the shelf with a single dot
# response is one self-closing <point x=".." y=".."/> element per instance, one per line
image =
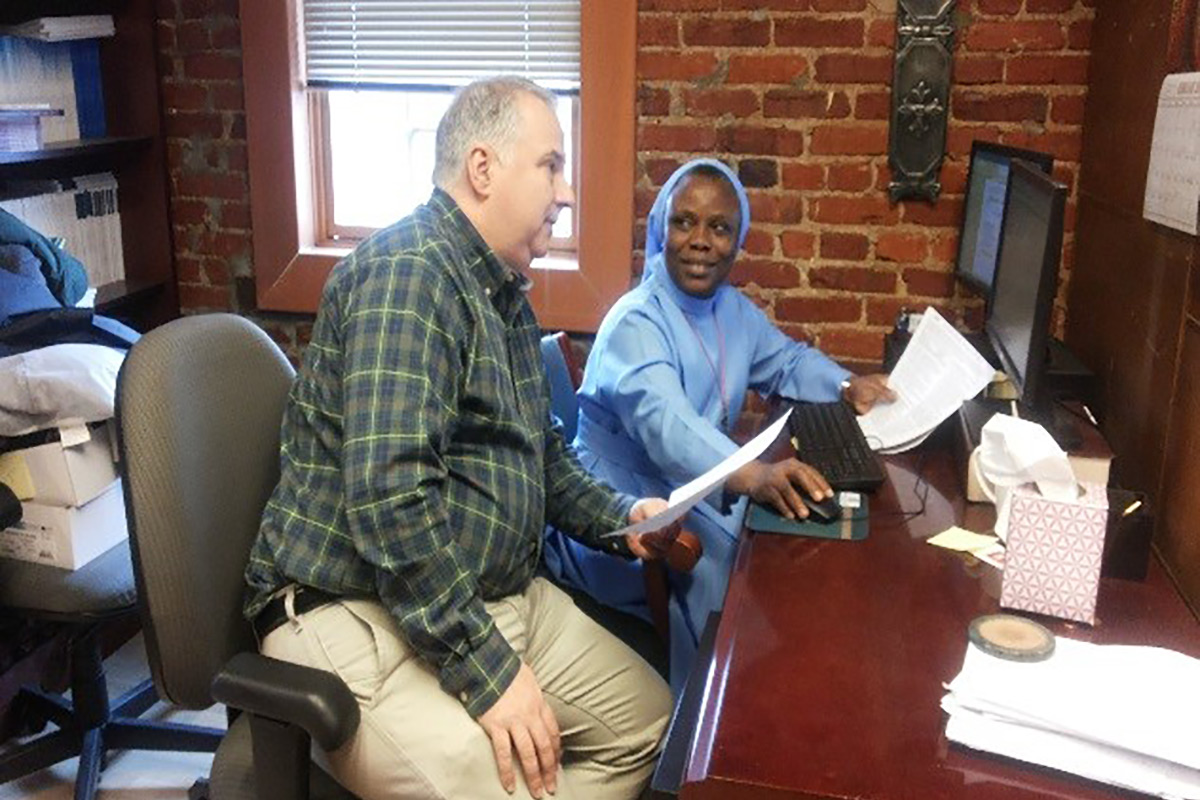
<point x="119" y="294"/>
<point x="72" y="157"/>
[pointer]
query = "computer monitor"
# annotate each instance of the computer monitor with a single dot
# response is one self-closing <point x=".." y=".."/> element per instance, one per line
<point x="1018" y="320"/>
<point x="983" y="213"/>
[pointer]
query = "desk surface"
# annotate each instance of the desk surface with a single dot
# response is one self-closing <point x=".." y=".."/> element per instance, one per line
<point x="829" y="659"/>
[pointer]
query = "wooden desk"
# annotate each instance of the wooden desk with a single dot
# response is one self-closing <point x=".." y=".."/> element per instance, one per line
<point x="828" y="660"/>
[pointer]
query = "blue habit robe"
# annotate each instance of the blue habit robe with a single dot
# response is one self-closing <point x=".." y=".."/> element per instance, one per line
<point x="652" y="418"/>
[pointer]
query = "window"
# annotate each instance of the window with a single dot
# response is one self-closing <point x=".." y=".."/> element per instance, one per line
<point x="342" y="105"/>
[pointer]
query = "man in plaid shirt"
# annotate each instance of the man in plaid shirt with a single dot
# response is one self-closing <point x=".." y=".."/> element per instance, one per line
<point x="419" y="469"/>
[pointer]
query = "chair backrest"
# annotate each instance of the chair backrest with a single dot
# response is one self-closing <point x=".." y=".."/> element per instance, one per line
<point x="199" y="406"/>
<point x="565" y="377"/>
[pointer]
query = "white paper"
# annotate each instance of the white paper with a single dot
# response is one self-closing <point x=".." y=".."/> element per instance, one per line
<point x="691" y="493"/>
<point x="1141" y="700"/>
<point x="74" y="435"/>
<point x="937" y="372"/>
<point x="1173" y="178"/>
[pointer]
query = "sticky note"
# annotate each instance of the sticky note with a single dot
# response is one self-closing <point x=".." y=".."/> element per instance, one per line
<point x="956" y="538"/>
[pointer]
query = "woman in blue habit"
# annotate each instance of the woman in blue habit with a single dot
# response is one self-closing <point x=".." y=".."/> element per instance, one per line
<point x="664" y="385"/>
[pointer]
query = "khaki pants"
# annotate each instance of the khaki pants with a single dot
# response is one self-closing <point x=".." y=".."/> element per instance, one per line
<point x="416" y="741"/>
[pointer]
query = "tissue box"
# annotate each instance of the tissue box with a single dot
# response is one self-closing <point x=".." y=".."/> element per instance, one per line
<point x="1054" y="551"/>
<point x="62" y="473"/>
<point x="67" y="537"/>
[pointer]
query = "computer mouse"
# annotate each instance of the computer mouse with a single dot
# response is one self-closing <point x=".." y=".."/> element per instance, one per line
<point x="826" y="510"/>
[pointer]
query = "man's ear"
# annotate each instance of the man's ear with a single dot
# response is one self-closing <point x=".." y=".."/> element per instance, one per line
<point x="481" y="166"/>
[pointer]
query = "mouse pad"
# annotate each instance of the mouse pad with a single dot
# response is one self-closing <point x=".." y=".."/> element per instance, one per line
<point x="853" y="525"/>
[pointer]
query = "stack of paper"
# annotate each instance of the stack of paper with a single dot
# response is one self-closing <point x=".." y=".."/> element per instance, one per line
<point x="61" y="29"/>
<point x="1128" y="716"/>
<point x="938" y="371"/>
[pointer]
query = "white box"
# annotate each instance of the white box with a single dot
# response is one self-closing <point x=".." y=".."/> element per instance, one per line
<point x="67" y="537"/>
<point x="57" y="475"/>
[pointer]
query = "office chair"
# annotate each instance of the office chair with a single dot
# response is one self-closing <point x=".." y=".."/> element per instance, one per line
<point x="89" y="725"/>
<point x="199" y="404"/>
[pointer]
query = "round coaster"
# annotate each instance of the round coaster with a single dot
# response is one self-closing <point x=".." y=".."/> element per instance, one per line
<point x="1011" y="637"/>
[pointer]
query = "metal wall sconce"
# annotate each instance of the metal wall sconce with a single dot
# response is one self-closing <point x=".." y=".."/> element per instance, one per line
<point x="920" y="97"/>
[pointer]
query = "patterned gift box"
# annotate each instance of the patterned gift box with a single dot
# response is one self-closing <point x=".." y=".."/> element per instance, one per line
<point x="1052" y="565"/>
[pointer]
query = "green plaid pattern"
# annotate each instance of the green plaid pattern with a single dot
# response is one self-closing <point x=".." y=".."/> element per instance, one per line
<point x="419" y="462"/>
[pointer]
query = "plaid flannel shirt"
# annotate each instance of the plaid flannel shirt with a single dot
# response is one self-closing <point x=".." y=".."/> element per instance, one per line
<point x="419" y="463"/>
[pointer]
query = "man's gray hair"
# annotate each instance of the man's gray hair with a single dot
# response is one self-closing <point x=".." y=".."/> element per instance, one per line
<point x="483" y="112"/>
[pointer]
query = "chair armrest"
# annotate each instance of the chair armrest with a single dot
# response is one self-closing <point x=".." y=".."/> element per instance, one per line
<point x="319" y="702"/>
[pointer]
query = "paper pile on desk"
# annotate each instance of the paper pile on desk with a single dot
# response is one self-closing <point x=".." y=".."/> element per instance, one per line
<point x="938" y="371"/>
<point x="1128" y="716"/>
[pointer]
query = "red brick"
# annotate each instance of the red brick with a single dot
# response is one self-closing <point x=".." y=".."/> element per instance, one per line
<point x="1067" y="109"/>
<point x="765" y="273"/>
<point x="852" y="345"/>
<point x="235" y="215"/>
<point x="881" y="33"/>
<point x="184" y="96"/>
<point x="765" y="141"/>
<point x="798" y="332"/>
<point x="765" y="69"/>
<point x="678" y="5"/>
<point x="164" y="35"/>
<point x="192" y="296"/>
<point x="762" y="173"/>
<point x="227" y="37"/>
<point x="839" y="5"/>
<point x="849" y="177"/>
<point x="999" y="6"/>
<point x="959" y="137"/>
<point x="726" y="32"/>
<point x="227" y="97"/>
<point x="716" y="102"/>
<point x="674" y="66"/>
<point x="819" y="309"/>
<point x="847" y="68"/>
<point x="994" y="107"/>
<point x="659" y="169"/>
<point x="928" y="283"/>
<point x="1048" y="6"/>
<point x="684" y="138"/>
<point x="191" y="36"/>
<point x="1040" y="69"/>
<point x="643" y="201"/>
<point x="759" y="242"/>
<point x="844" y="246"/>
<point x="1079" y="35"/>
<point x="765" y="5"/>
<point x="653" y="102"/>
<point x="873" y="105"/>
<point x="803" y="176"/>
<point x="225" y="244"/>
<point x="216" y="272"/>
<point x="978" y="69"/>
<point x="819" y="32"/>
<point x="798" y="244"/>
<point x="954" y="177"/>
<point x="1064" y="146"/>
<point x="945" y="213"/>
<point x="208" y="8"/>
<point x="853" y="279"/>
<point x="212" y="66"/>
<point x="781" y="209"/>
<point x="658" y="31"/>
<point x="189" y="212"/>
<point x="186" y="124"/>
<point x="854" y="211"/>
<point x="905" y="247"/>
<point x="189" y="269"/>
<point x="1016" y="36"/>
<point x="231" y="187"/>
<point x="850" y="140"/>
<point x="944" y="249"/>
<point x="805" y="104"/>
<point x="883" y="310"/>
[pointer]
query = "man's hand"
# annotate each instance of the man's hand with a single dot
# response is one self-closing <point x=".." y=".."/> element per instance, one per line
<point x="775" y="485"/>
<point x="521" y="720"/>
<point x="653" y="545"/>
<point x="865" y="391"/>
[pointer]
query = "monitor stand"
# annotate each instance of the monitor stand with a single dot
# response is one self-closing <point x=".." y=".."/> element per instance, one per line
<point x="1060" y="423"/>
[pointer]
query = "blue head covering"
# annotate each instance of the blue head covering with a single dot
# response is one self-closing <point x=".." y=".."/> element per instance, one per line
<point x="656" y="223"/>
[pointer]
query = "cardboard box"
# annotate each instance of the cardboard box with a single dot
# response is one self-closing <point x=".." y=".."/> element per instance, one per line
<point x="1054" y="552"/>
<point x="62" y="473"/>
<point x="67" y="537"/>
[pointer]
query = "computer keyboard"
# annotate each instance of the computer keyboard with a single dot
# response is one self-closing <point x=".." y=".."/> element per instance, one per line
<point x="827" y="437"/>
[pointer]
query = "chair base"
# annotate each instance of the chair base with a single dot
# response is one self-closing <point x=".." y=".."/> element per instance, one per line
<point x="88" y="726"/>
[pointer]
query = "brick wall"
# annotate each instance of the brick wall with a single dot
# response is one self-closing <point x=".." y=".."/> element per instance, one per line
<point x="200" y="64"/>
<point x="793" y="93"/>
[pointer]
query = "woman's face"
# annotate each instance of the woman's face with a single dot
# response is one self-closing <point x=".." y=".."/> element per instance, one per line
<point x="702" y="227"/>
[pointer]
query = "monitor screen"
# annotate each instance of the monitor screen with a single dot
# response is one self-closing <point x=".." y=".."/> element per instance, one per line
<point x="1026" y="276"/>
<point x="983" y="213"/>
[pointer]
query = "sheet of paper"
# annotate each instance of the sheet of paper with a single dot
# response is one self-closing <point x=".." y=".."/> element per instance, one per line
<point x="686" y="496"/>
<point x="1173" y="178"/>
<point x="15" y="472"/>
<point x="956" y="538"/>
<point x="937" y="372"/>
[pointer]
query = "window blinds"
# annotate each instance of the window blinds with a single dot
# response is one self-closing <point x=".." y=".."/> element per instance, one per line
<point x="431" y="44"/>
